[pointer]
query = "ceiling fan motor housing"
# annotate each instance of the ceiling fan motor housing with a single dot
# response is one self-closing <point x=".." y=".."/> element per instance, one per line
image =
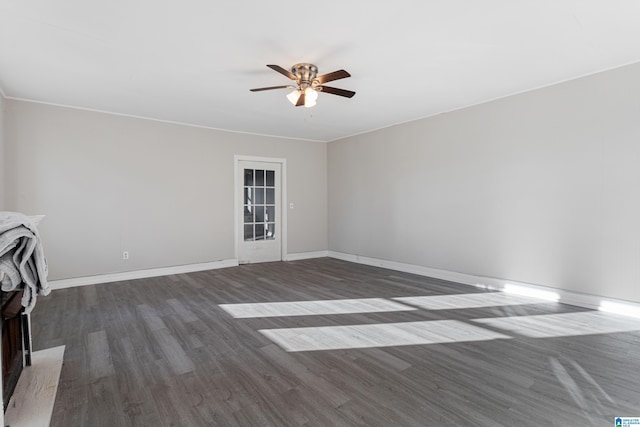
<point x="305" y="73"/>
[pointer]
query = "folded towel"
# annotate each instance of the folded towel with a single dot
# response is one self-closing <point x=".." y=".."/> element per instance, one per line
<point x="22" y="258"/>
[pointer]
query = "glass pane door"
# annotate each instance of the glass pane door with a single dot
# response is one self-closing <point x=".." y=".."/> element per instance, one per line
<point x="259" y="205"/>
<point x="258" y="189"/>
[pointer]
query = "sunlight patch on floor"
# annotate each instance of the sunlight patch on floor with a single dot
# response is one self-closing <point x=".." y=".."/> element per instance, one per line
<point x="314" y="308"/>
<point x="624" y="309"/>
<point x="448" y="331"/>
<point x="461" y="301"/>
<point x="509" y="324"/>
<point x="532" y="292"/>
<point x="563" y="324"/>
<point x="378" y="335"/>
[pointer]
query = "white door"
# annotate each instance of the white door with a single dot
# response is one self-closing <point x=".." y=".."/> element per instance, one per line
<point x="260" y="210"/>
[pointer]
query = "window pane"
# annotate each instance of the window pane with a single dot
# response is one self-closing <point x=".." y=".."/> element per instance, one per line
<point x="248" y="177"/>
<point x="259" y="177"/>
<point x="259" y="213"/>
<point x="248" y="214"/>
<point x="248" y="196"/>
<point x="259" y="196"/>
<point x="271" y="214"/>
<point x="271" y="178"/>
<point x="259" y="231"/>
<point x="271" y="232"/>
<point x="271" y="196"/>
<point x="248" y="232"/>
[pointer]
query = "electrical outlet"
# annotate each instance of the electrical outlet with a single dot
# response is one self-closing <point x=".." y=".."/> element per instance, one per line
<point x="125" y="255"/>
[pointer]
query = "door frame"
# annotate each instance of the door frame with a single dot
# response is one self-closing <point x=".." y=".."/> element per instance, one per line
<point x="283" y="196"/>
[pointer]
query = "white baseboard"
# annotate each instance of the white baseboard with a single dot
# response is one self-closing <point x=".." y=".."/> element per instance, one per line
<point x="307" y="255"/>
<point x="165" y="271"/>
<point x="564" y="296"/>
<point x="141" y="274"/>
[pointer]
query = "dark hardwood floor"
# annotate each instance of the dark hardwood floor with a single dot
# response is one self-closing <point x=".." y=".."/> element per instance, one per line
<point x="168" y="351"/>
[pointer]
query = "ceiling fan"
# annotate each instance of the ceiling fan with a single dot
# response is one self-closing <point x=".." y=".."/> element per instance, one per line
<point x="308" y="83"/>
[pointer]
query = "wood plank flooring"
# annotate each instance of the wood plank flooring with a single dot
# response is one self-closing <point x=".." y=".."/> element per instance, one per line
<point x="168" y="351"/>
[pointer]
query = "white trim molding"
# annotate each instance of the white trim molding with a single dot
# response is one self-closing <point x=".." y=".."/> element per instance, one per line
<point x="595" y="302"/>
<point x="171" y="122"/>
<point x="141" y="274"/>
<point x="306" y="255"/>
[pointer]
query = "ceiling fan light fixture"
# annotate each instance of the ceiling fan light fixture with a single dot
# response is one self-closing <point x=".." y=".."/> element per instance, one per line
<point x="310" y="97"/>
<point x="294" y="96"/>
<point x="308" y="83"/>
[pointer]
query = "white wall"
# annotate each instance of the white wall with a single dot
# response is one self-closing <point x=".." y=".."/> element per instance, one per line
<point x="163" y="192"/>
<point x="541" y="187"/>
<point x="2" y="163"/>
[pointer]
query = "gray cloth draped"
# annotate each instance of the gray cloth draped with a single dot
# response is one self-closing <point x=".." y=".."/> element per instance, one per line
<point x="22" y="258"/>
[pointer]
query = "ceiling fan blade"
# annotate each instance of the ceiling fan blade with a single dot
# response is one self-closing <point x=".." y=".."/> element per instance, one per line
<point x="336" y="91"/>
<point x="270" y="88"/>
<point x="282" y="71"/>
<point x="301" y="99"/>
<point x="336" y="75"/>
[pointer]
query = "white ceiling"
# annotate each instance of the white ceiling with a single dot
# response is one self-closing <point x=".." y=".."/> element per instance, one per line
<point x="194" y="61"/>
